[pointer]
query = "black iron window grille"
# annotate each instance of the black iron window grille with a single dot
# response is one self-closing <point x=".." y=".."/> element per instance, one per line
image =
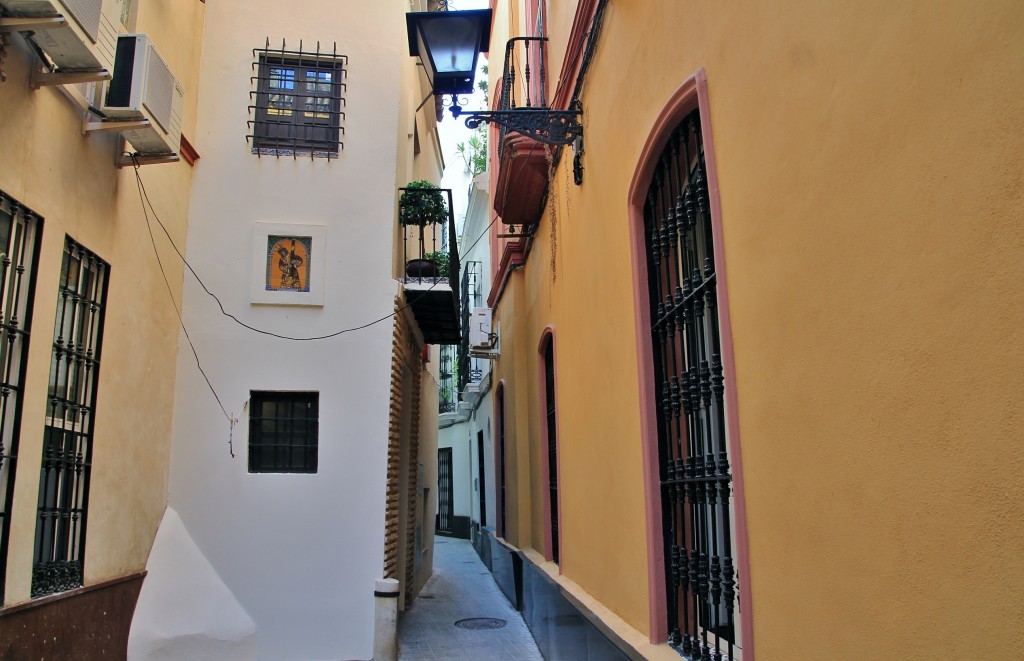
<point x="552" y="428"/>
<point x="447" y="395"/>
<point x="283" y="432"/>
<point x="19" y="244"/>
<point x="481" y="477"/>
<point x="499" y="423"/>
<point x="696" y="482"/>
<point x="445" y="491"/>
<point x="298" y="102"/>
<point x="70" y="422"/>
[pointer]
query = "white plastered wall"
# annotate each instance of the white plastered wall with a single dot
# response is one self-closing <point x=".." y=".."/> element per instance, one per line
<point x="299" y="552"/>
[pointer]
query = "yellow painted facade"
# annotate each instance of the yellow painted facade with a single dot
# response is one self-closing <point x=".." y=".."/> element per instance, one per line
<point x="70" y="180"/>
<point x="869" y="159"/>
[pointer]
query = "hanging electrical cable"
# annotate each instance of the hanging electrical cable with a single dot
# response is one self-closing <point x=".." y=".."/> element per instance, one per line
<point x="232" y="420"/>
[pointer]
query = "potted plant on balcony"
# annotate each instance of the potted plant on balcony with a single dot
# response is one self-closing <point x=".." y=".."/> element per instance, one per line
<point x="439" y="257"/>
<point x="422" y="205"/>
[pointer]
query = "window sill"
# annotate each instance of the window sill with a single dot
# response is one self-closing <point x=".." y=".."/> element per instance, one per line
<point x="294" y="153"/>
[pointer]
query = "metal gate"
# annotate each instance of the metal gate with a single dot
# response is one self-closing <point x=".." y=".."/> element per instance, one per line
<point x="445" y="491"/>
<point x="696" y="482"/>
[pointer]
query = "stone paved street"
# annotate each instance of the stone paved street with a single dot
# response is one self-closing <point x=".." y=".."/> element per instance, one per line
<point x="460" y="588"/>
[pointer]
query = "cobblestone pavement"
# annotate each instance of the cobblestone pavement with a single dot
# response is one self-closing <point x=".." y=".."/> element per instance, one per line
<point x="461" y="588"/>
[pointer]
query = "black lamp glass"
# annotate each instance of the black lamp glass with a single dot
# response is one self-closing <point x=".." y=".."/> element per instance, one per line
<point x="449" y="43"/>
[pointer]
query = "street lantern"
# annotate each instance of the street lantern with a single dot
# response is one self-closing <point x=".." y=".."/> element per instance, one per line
<point x="449" y="44"/>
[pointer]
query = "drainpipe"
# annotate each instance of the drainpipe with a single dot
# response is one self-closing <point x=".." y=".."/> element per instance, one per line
<point x="385" y="620"/>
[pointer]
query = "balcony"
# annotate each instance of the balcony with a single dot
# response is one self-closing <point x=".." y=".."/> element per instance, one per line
<point x="430" y="256"/>
<point x="447" y="394"/>
<point x="470" y="369"/>
<point x="462" y="377"/>
<point x="522" y="180"/>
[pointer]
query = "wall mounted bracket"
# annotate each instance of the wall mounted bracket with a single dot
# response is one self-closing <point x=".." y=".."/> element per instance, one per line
<point x="552" y="127"/>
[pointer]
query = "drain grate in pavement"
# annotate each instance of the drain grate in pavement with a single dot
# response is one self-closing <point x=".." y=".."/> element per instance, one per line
<point x="481" y="623"/>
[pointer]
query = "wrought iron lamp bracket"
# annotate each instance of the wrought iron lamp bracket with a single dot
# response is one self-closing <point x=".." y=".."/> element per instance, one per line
<point x="553" y="127"/>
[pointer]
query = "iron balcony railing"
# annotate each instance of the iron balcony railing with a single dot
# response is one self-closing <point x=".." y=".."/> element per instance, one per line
<point x="428" y="242"/>
<point x="469" y="367"/>
<point x="523" y="78"/>
<point x="447" y="394"/>
<point x="430" y="262"/>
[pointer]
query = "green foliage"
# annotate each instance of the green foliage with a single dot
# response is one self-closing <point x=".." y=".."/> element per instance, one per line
<point x="441" y="259"/>
<point x="423" y="204"/>
<point x="474" y="151"/>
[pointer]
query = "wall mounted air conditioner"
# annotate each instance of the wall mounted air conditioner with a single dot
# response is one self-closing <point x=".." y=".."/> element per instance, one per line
<point x="143" y="87"/>
<point x="481" y="337"/>
<point x="87" y="40"/>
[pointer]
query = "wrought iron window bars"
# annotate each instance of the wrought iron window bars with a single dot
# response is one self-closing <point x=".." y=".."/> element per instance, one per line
<point x="552" y="449"/>
<point x="297" y="101"/>
<point x="696" y="482"/>
<point x="283" y="432"/>
<point x="19" y="245"/>
<point x="70" y="421"/>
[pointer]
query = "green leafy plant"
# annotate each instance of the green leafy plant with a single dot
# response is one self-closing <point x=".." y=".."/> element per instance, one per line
<point x="474" y="153"/>
<point x="422" y="204"/>
<point x="441" y="259"/>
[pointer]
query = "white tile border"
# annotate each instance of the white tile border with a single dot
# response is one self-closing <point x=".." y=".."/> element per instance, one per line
<point x="317" y="268"/>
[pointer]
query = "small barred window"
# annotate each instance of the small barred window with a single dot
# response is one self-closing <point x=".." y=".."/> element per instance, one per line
<point x="299" y="102"/>
<point x="283" y="432"/>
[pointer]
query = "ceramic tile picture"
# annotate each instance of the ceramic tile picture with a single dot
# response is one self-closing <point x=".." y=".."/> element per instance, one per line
<point x="288" y="264"/>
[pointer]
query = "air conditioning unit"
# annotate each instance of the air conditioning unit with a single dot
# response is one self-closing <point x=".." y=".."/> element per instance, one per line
<point x="143" y="87"/>
<point x="480" y="337"/>
<point x="88" y="39"/>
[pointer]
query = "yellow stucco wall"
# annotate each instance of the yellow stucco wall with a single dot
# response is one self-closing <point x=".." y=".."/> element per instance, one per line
<point x="869" y="158"/>
<point x="71" y="181"/>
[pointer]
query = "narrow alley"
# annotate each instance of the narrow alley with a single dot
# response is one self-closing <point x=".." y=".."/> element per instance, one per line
<point x="462" y="593"/>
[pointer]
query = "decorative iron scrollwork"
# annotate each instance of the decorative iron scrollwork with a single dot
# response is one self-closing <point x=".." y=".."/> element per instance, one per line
<point x="552" y="127"/>
<point x="53" y="577"/>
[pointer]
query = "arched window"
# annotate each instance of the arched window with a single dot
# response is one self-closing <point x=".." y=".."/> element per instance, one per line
<point x="550" y="439"/>
<point x="499" y="435"/>
<point x="690" y="428"/>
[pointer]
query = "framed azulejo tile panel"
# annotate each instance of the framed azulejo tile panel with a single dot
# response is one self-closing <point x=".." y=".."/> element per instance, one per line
<point x="288" y="264"/>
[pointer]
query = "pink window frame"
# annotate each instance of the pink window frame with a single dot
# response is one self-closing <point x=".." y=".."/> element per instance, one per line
<point x="693" y="93"/>
<point x="549" y="336"/>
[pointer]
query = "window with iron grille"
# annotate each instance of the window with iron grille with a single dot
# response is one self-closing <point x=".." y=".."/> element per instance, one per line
<point x="552" y="440"/>
<point x="448" y="395"/>
<point x="499" y="425"/>
<point x="283" y="432"/>
<point x="70" y="421"/>
<point x="299" y="102"/>
<point x="445" y="492"/>
<point x="19" y="245"/>
<point x="696" y="478"/>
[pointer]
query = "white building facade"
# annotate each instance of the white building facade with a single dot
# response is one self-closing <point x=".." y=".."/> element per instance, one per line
<point x="466" y="429"/>
<point x="307" y="126"/>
